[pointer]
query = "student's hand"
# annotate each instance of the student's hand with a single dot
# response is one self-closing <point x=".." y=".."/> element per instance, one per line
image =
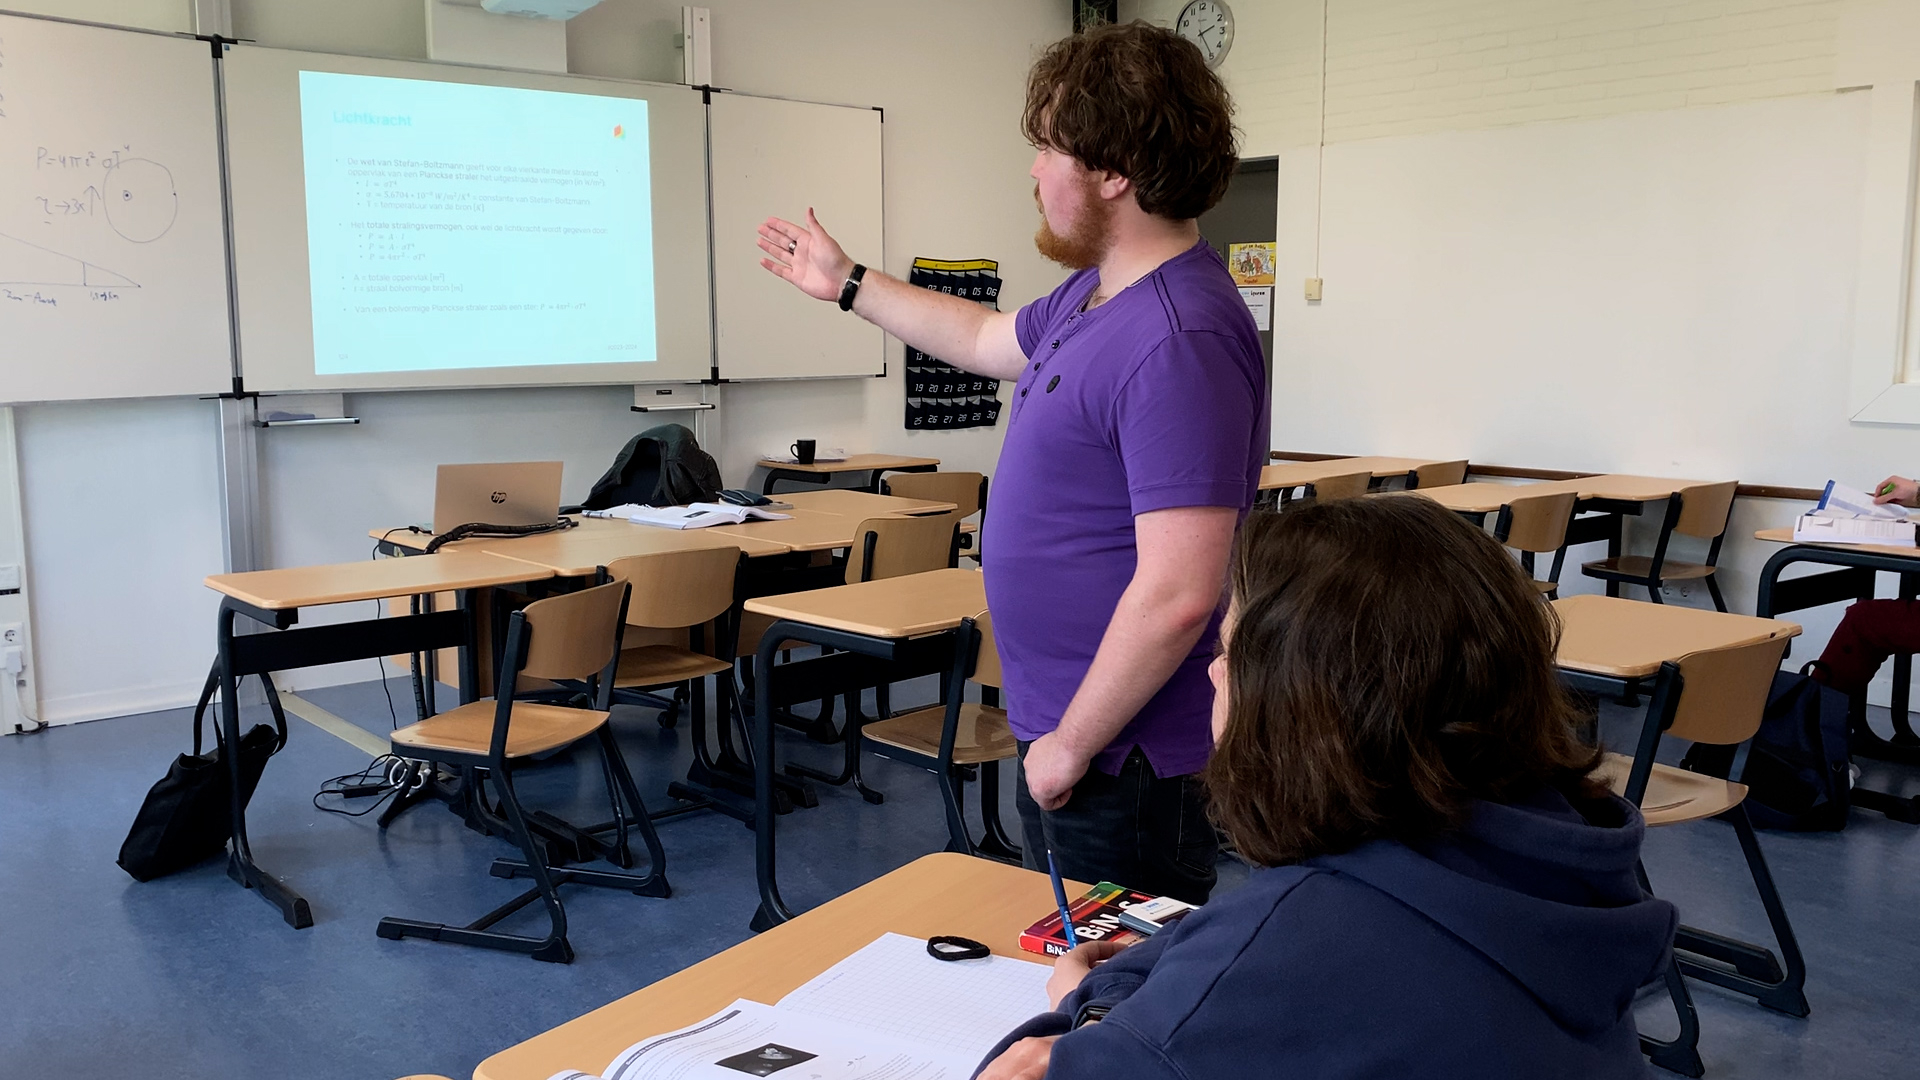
<point x="1897" y="489"/>
<point x="1024" y="1060"/>
<point x="805" y="255"/>
<point x="1052" y="768"/>
<point x="1071" y="968"/>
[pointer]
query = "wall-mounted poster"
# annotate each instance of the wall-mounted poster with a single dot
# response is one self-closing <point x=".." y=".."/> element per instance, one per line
<point x="1251" y="264"/>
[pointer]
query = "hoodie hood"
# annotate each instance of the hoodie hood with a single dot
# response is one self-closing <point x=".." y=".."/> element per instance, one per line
<point x="1546" y="891"/>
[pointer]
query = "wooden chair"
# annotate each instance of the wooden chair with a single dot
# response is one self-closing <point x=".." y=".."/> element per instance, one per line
<point x="1349" y="486"/>
<point x="1534" y="525"/>
<point x="682" y="603"/>
<point x="966" y="490"/>
<point x="882" y="548"/>
<point x="1700" y="511"/>
<point x="574" y="637"/>
<point x="948" y="738"/>
<point x="1716" y="697"/>
<point x="1438" y="474"/>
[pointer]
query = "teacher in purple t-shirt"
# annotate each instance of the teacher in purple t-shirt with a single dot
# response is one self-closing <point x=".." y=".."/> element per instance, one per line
<point x="1134" y="443"/>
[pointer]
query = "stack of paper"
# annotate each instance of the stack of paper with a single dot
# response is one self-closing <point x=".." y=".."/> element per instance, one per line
<point x="692" y="516"/>
<point x="1849" y="516"/>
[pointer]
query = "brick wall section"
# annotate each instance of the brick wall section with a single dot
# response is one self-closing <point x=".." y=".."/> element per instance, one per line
<point x="1402" y="67"/>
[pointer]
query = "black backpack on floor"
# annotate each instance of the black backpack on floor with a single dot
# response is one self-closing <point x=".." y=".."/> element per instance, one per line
<point x="187" y="817"/>
<point x="662" y="466"/>
<point x="1798" y="771"/>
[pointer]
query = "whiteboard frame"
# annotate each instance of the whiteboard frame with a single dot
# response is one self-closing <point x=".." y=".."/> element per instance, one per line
<point x="283" y="326"/>
<point x="852" y="205"/>
<point x="218" y="363"/>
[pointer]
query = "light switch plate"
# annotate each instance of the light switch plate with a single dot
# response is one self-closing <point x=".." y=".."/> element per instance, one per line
<point x="9" y="577"/>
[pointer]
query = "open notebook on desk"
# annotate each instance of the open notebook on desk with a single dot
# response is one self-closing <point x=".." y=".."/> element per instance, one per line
<point x="698" y="515"/>
<point x="887" y="1012"/>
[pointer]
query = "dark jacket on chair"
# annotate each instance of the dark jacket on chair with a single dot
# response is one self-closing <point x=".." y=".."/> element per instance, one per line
<point x="1510" y="949"/>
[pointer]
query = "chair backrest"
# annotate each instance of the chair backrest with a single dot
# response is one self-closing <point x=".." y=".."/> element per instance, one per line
<point x="672" y="589"/>
<point x="574" y="635"/>
<point x="1538" y="523"/>
<point x="986" y="666"/>
<point x="1438" y="474"/>
<point x="959" y="488"/>
<point x="1705" y="508"/>
<point x="902" y="545"/>
<point x="1329" y="488"/>
<point x="1723" y="692"/>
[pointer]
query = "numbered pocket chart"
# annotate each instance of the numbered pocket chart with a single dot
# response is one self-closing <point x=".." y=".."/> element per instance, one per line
<point x="940" y="395"/>
<point x="113" y="277"/>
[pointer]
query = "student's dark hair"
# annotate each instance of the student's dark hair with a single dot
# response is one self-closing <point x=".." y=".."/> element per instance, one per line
<point x="1138" y="100"/>
<point x="1388" y="663"/>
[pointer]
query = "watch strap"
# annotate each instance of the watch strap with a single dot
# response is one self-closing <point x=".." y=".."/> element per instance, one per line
<point x="851" y="287"/>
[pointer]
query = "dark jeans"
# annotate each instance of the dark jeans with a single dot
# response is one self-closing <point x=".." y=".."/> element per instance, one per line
<point x="1136" y="830"/>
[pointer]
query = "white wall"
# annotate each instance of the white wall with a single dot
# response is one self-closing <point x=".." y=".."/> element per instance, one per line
<point x="121" y="502"/>
<point x="956" y="186"/>
<point x="1618" y="237"/>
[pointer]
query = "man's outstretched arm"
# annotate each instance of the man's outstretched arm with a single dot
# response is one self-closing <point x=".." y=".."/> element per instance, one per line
<point x="961" y="332"/>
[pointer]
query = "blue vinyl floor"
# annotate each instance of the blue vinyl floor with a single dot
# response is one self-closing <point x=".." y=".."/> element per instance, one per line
<point x="190" y="976"/>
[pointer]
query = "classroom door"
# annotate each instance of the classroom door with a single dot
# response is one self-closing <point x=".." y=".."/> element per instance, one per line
<point x="1248" y="215"/>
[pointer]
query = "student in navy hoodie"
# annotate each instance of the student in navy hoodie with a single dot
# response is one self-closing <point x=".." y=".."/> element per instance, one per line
<point x="1439" y="890"/>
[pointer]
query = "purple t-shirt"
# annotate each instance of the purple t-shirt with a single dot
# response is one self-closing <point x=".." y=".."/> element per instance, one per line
<point x="1155" y="399"/>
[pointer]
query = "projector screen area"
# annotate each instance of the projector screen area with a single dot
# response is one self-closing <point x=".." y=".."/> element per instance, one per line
<point x="409" y="225"/>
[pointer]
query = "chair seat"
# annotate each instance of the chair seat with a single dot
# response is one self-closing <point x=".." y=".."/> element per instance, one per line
<point x="1674" y="795"/>
<point x="659" y="665"/>
<point x="982" y="734"/>
<point x="534" y="729"/>
<point x="1637" y="567"/>
<point x="1547" y="586"/>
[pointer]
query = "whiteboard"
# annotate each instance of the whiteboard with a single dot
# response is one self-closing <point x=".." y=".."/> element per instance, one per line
<point x="273" y="281"/>
<point x="772" y="157"/>
<point x="113" y="279"/>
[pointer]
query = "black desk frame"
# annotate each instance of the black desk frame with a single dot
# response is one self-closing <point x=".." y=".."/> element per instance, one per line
<point x="1854" y="580"/>
<point x="775" y="474"/>
<point x="864" y="661"/>
<point x="291" y="646"/>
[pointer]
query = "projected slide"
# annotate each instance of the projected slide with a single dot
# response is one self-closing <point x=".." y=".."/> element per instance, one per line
<point x="459" y="226"/>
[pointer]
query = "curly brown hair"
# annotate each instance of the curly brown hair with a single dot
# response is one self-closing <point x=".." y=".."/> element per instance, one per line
<point x="1138" y="100"/>
<point x="1387" y="664"/>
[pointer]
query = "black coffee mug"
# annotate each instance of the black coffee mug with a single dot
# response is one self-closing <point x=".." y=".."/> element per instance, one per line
<point x="803" y="451"/>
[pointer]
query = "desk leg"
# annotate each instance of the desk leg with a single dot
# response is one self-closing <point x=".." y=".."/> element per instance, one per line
<point x="772" y="911"/>
<point x="240" y="865"/>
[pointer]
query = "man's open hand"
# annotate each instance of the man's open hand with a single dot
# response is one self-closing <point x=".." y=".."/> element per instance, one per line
<point x="805" y="255"/>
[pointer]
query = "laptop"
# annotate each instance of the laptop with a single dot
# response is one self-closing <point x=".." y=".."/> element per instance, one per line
<point x="501" y="493"/>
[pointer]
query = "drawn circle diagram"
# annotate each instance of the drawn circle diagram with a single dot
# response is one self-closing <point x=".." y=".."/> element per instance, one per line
<point x="141" y="202"/>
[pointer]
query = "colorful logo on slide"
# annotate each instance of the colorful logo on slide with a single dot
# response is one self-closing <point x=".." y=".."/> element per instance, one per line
<point x="619" y="131"/>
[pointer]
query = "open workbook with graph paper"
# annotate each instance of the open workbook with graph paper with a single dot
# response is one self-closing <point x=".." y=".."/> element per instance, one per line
<point x="888" y="1012"/>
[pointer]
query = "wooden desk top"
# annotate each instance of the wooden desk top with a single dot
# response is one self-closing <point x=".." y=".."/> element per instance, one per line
<point x="1607" y="635"/>
<point x="1619" y="487"/>
<point x="417" y="541"/>
<point x="1479" y="497"/>
<point x="900" y="607"/>
<point x="372" y="579"/>
<point x="853" y="463"/>
<point x="936" y="894"/>
<point x="1296" y="473"/>
<point x="1785" y="536"/>
<point x="806" y="530"/>
<point x="861" y="504"/>
<point x="577" y="552"/>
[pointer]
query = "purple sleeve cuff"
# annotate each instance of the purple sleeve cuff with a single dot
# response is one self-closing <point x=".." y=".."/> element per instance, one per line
<point x="1190" y="493"/>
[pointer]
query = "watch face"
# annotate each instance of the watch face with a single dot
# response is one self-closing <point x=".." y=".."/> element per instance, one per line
<point x="1208" y="24"/>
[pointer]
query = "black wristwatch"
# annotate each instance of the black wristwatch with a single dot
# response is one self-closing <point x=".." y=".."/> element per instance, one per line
<point x="851" y="287"/>
<point x="1089" y="1013"/>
